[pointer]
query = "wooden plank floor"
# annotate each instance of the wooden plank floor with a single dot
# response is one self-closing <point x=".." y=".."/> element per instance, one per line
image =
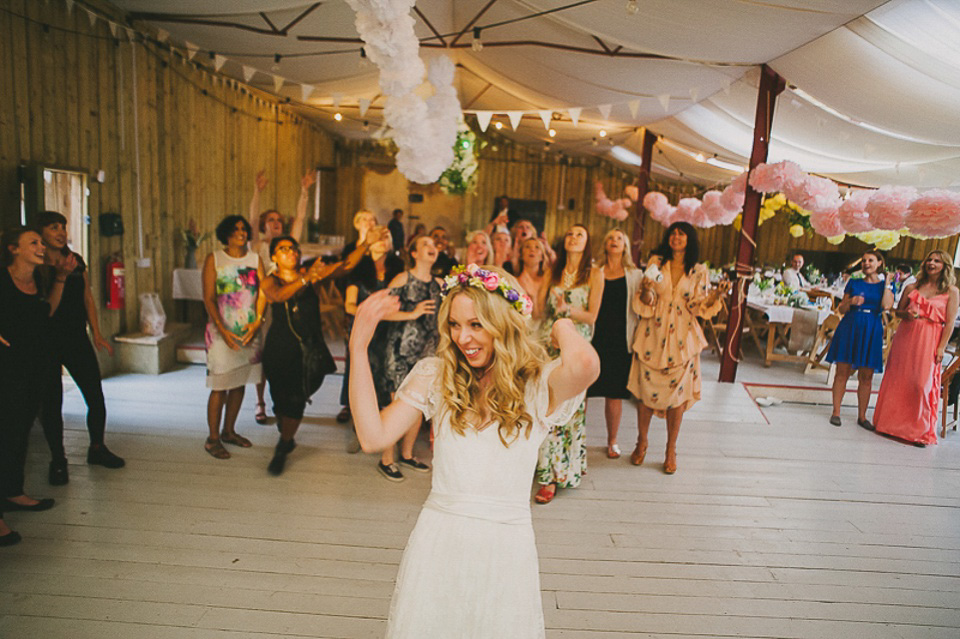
<point x="776" y="525"/>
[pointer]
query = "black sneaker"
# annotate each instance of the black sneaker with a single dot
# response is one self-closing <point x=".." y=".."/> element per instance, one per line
<point x="415" y="464"/>
<point x="391" y="472"/>
<point x="58" y="475"/>
<point x="279" y="460"/>
<point x="344" y="415"/>
<point x="101" y="456"/>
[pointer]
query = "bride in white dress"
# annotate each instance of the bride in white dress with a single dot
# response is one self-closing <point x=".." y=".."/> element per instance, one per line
<point x="470" y="568"/>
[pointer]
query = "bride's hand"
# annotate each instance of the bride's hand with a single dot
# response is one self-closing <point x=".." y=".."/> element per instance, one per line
<point x="369" y="314"/>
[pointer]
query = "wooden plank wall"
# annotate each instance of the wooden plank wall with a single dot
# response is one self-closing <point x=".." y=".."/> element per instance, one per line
<point x="68" y="101"/>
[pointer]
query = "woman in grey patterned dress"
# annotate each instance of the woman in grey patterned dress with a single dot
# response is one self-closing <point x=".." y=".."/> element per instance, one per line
<point x="412" y="336"/>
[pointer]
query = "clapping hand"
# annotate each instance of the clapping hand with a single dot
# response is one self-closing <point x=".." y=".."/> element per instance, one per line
<point x="377" y="234"/>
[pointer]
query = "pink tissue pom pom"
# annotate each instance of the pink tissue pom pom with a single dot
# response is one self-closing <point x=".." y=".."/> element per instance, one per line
<point x="826" y="224"/>
<point x="701" y="219"/>
<point x="818" y="195"/>
<point x="770" y="178"/>
<point x="935" y="213"/>
<point x="888" y="207"/>
<point x="686" y="209"/>
<point x="658" y="206"/>
<point x="713" y="209"/>
<point x="853" y="217"/>
<point x="620" y="211"/>
<point x="631" y="192"/>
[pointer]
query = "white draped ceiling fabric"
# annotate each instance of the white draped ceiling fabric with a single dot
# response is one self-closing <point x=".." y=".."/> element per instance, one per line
<point x="873" y="87"/>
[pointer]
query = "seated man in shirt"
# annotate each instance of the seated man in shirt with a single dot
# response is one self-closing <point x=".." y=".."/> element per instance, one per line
<point x="793" y="276"/>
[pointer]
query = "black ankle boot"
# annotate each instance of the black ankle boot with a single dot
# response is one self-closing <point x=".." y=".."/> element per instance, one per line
<point x="280" y="457"/>
<point x="101" y="456"/>
<point x="58" y="474"/>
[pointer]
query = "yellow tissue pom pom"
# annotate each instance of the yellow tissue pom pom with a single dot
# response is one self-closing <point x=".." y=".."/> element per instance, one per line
<point x="796" y="230"/>
<point x="836" y="239"/>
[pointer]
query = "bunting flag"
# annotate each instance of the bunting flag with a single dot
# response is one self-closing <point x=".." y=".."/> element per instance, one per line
<point x="92" y="17"/>
<point x="191" y="49"/>
<point x="218" y="61"/>
<point x="546" y="115"/>
<point x="483" y="119"/>
<point x="364" y="104"/>
<point x="113" y="28"/>
<point x="575" y="115"/>
<point x="278" y="81"/>
<point x="337" y="98"/>
<point x="634" y="106"/>
<point x="604" y="110"/>
<point x="162" y="35"/>
<point x="248" y="73"/>
<point x="664" y="99"/>
<point x="69" y="7"/>
<point x="515" y="117"/>
<point x="131" y="34"/>
<point x="306" y="90"/>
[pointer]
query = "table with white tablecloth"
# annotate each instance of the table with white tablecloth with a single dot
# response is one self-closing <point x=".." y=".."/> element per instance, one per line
<point x="779" y="322"/>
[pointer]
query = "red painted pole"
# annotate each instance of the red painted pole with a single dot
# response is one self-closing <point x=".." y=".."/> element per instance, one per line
<point x="643" y="185"/>
<point x="771" y="85"/>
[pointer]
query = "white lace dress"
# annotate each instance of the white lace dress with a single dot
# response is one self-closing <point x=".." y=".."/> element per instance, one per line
<point x="470" y="568"/>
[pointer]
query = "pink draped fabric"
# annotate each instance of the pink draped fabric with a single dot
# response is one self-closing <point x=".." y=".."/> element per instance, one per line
<point x="909" y="401"/>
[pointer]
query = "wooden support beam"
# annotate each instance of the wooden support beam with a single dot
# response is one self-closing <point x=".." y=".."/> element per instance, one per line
<point x="771" y="85"/>
<point x="643" y="185"/>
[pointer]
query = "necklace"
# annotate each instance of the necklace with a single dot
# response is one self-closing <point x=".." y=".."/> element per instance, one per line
<point x="567" y="280"/>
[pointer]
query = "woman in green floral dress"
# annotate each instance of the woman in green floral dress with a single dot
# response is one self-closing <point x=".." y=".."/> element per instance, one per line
<point x="573" y="290"/>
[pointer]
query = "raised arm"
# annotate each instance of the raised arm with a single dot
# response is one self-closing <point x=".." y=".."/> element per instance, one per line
<point x="61" y="271"/>
<point x="579" y="364"/>
<point x="296" y="229"/>
<point x="259" y="184"/>
<point x="376" y="429"/>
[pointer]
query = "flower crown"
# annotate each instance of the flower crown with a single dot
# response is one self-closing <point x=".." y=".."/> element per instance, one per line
<point x="473" y="275"/>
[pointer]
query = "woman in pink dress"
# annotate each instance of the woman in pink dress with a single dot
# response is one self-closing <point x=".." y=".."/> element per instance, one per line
<point x="909" y="399"/>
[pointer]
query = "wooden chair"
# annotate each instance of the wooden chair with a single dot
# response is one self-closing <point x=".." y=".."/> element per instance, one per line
<point x="821" y="344"/>
<point x="890" y="324"/>
<point x="946" y="377"/>
<point x="815" y="294"/>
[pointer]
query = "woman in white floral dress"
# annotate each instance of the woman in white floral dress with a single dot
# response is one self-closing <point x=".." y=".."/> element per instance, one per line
<point x="573" y="290"/>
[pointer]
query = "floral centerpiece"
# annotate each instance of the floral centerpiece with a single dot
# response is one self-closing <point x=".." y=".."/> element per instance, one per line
<point x="191" y="241"/>
<point x="461" y="176"/>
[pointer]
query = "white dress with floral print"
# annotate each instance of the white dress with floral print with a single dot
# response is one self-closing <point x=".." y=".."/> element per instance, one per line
<point x="237" y="286"/>
<point x="563" y="455"/>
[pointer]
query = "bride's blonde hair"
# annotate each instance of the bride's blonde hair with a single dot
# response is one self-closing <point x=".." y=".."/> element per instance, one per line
<point x="517" y="359"/>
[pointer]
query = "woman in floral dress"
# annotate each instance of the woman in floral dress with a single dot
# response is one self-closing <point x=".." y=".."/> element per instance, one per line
<point x="573" y="290"/>
<point x="665" y="374"/>
<point x="231" y="285"/>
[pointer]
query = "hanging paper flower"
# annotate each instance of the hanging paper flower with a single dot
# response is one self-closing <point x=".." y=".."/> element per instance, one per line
<point x="836" y="239"/>
<point x="853" y="215"/>
<point x="796" y="230"/>
<point x="770" y="178"/>
<point x="883" y="240"/>
<point x="936" y="213"/>
<point x="887" y="207"/>
<point x="461" y="176"/>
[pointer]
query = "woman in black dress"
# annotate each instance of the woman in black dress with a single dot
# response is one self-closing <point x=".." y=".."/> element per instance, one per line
<point x="613" y="334"/>
<point x="74" y="351"/>
<point x="29" y="293"/>
<point x="295" y="356"/>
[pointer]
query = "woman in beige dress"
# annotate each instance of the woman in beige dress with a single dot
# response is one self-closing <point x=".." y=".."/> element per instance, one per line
<point x="665" y="374"/>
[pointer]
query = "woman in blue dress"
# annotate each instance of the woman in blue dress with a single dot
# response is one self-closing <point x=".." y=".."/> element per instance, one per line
<point x="858" y="340"/>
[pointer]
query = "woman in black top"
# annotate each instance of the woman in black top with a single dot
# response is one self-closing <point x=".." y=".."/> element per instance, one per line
<point x="73" y="350"/>
<point x="295" y="356"/>
<point x="28" y="295"/>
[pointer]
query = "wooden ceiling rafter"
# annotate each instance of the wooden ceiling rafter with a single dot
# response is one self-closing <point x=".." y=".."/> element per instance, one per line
<point x="427" y="22"/>
<point x="472" y="22"/>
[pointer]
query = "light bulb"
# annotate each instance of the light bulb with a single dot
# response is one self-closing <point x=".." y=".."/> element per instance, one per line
<point x="633" y="7"/>
<point x="602" y="133"/>
<point x="498" y="125"/>
<point x="552" y="133"/>
<point x="595" y="142"/>
<point x="476" y="45"/>
<point x="337" y="116"/>
<point x="700" y="157"/>
<point x="276" y="63"/>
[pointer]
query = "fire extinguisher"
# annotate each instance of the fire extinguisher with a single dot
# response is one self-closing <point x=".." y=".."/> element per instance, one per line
<point x="115" y="282"/>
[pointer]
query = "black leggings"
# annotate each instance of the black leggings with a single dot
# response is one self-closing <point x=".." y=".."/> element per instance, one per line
<point x="20" y="402"/>
<point x="80" y="360"/>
